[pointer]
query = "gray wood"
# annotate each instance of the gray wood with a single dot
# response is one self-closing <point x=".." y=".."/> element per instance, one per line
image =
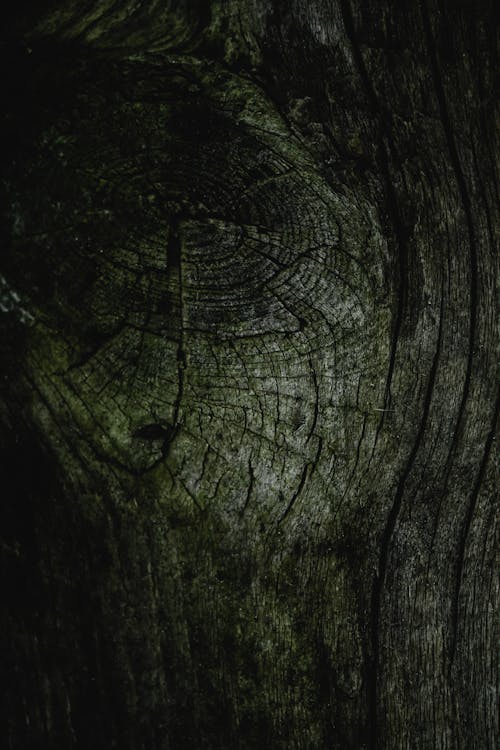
<point x="250" y="375"/>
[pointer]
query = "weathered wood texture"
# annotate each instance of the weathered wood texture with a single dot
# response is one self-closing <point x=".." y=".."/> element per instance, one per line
<point x="250" y="371"/>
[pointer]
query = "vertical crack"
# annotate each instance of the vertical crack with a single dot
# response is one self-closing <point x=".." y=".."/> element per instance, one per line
<point x="174" y="271"/>
<point x="251" y="484"/>
<point x="316" y="400"/>
<point x="400" y="231"/>
<point x="464" y="195"/>
<point x="402" y="293"/>
<point x="296" y="493"/>
<point x="473" y="317"/>
<point x="387" y="535"/>
<point x="466" y="528"/>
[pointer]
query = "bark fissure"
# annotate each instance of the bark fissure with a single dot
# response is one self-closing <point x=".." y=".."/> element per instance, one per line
<point x="174" y="267"/>
<point x="466" y="526"/>
<point x="385" y="545"/>
<point x="392" y="205"/>
<point x="462" y="185"/>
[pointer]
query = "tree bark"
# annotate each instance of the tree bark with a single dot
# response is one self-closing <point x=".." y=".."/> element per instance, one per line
<point x="250" y="375"/>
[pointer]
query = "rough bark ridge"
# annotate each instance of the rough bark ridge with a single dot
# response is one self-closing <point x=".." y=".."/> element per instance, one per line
<point x="250" y="375"/>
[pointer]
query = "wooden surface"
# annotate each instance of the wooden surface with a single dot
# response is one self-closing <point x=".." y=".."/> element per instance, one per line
<point x="250" y="376"/>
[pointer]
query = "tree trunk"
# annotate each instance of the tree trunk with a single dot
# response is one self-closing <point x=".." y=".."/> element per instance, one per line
<point x="249" y="375"/>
